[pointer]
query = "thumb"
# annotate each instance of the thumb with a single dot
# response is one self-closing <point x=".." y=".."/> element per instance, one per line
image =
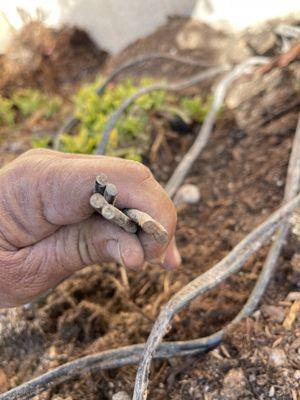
<point x="35" y="269"/>
<point x="172" y="256"/>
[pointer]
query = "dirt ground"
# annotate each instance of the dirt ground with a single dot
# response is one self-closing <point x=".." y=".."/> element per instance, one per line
<point x="241" y="177"/>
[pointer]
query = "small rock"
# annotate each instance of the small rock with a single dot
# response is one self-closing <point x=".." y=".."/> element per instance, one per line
<point x="271" y="391"/>
<point x="3" y="381"/>
<point x="295" y="222"/>
<point x="261" y="380"/>
<point x="62" y="398"/>
<point x="191" y="37"/>
<point x="293" y="296"/>
<point x="187" y="194"/>
<point x="274" y="313"/>
<point x="52" y="353"/>
<point x="277" y="358"/>
<point x="121" y="396"/>
<point x="257" y="314"/>
<point x="234" y="384"/>
<point x="293" y="314"/>
<point x="297" y="375"/>
<point x="44" y="396"/>
<point x="262" y="43"/>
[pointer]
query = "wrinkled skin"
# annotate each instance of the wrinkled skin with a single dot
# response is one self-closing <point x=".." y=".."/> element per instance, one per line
<point x="48" y="229"/>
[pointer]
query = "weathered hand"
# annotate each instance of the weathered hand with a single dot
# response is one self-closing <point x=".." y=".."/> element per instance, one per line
<point x="48" y="229"/>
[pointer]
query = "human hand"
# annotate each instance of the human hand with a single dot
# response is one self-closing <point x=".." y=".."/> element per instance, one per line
<point x="48" y="229"/>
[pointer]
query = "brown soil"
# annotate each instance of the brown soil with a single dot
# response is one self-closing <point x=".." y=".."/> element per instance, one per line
<point x="241" y="176"/>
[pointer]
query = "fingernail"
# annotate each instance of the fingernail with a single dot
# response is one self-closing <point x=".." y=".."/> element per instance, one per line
<point x="113" y="250"/>
<point x="177" y="257"/>
<point x="173" y="261"/>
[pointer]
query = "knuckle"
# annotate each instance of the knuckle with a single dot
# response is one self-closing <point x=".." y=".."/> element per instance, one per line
<point x="34" y="152"/>
<point x="145" y="174"/>
<point x="27" y="164"/>
<point x="25" y="168"/>
<point x="139" y="170"/>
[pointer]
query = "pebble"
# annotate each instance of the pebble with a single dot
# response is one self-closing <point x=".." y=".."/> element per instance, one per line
<point x="297" y="375"/>
<point x="271" y="391"/>
<point x="293" y="296"/>
<point x="234" y="384"/>
<point x="187" y="194"/>
<point x="295" y="221"/>
<point x="262" y="42"/>
<point x="121" y="396"/>
<point x="190" y="38"/>
<point x="52" y="353"/>
<point x="277" y="358"/>
<point x="274" y="313"/>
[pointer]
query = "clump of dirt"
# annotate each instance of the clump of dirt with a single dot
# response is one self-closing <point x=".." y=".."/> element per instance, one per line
<point x="241" y="177"/>
<point x="40" y="56"/>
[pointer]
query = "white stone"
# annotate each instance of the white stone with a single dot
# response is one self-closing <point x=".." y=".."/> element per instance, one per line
<point x="187" y="194"/>
<point x="121" y="396"/>
<point x="277" y="358"/>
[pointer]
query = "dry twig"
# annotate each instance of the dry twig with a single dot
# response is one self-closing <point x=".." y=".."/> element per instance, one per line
<point x="293" y="313"/>
<point x="111" y="213"/>
<point x="100" y="183"/>
<point x="150" y="57"/>
<point x="114" y="215"/>
<point x="110" y="193"/>
<point x="292" y="187"/>
<point x="290" y="31"/>
<point x="110" y="359"/>
<point x="148" y="224"/>
<point x="102" y="201"/>
<point x="203" y="136"/>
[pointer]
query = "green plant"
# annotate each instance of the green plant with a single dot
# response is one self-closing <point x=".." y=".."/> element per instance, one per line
<point x="194" y="108"/>
<point x="7" y="113"/>
<point x="43" y="141"/>
<point x="30" y="101"/>
<point x="83" y="142"/>
<point x="52" y="106"/>
<point x="130" y="137"/>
